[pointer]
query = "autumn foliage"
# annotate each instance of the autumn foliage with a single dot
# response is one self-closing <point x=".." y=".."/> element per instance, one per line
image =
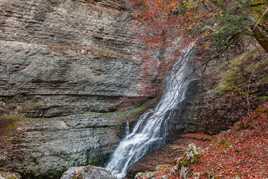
<point x="165" y="33"/>
<point x="240" y="152"/>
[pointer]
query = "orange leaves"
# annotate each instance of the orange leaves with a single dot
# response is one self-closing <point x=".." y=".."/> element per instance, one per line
<point x="239" y="151"/>
<point x="161" y="7"/>
<point x="153" y="10"/>
<point x="163" y="24"/>
<point x="154" y="41"/>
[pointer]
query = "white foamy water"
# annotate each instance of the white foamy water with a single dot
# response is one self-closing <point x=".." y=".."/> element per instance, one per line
<point x="151" y="130"/>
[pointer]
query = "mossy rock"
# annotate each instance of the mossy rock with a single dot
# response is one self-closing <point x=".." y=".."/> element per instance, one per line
<point x="246" y="75"/>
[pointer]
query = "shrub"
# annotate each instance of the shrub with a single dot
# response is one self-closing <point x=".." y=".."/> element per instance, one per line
<point x="231" y="26"/>
<point x="191" y="156"/>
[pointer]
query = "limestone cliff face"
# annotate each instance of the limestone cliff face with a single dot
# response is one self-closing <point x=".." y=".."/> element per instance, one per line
<point x="66" y="68"/>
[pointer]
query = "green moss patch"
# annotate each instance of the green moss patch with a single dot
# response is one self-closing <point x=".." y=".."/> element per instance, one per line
<point x="130" y="113"/>
<point x="247" y="75"/>
<point x="12" y="117"/>
<point x="9" y="123"/>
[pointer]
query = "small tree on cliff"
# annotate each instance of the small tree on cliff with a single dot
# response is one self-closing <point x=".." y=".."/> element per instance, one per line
<point x="240" y="17"/>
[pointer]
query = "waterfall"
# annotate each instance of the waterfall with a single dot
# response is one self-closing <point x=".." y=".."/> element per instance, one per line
<point x="151" y="130"/>
<point x="127" y="128"/>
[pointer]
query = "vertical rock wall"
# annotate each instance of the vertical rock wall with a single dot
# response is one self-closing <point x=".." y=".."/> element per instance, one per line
<point x="66" y="69"/>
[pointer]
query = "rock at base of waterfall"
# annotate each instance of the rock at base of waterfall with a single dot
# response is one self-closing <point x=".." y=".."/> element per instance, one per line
<point x="87" y="172"/>
<point x="9" y="175"/>
<point x="149" y="174"/>
<point x="144" y="175"/>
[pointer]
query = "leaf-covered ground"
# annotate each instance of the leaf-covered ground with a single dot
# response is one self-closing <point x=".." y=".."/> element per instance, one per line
<point x="240" y="152"/>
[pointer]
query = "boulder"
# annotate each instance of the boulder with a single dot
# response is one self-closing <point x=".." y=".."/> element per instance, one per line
<point x="87" y="172"/>
<point x="9" y="175"/>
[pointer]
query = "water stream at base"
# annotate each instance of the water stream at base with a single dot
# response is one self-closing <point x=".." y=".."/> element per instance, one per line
<point x="151" y="130"/>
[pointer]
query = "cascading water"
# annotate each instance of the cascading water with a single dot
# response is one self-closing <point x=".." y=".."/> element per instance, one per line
<point x="151" y="129"/>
